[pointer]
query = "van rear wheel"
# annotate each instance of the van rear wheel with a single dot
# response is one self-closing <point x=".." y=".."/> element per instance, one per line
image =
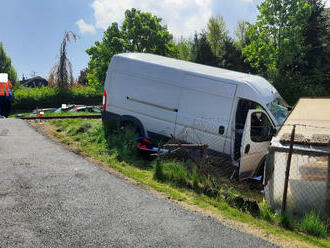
<point x="128" y="125"/>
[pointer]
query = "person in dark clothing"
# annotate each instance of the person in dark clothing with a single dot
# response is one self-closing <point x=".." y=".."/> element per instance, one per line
<point x="3" y="104"/>
<point x="7" y="104"/>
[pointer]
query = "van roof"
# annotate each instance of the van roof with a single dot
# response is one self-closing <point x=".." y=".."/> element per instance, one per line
<point x="260" y="84"/>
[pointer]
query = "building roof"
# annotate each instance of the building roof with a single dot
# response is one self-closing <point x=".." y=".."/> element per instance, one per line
<point x="312" y="119"/>
<point x="34" y="82"/>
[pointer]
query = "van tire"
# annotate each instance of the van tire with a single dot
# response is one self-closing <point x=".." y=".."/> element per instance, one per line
<point x="129" y="122"/>
<point x="129" y="126"/>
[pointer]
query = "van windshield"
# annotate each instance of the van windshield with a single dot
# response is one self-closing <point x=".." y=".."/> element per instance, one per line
<point x="279" y="109"/>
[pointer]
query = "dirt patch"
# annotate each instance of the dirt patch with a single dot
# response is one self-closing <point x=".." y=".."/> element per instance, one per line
<point x="46" y="129"/>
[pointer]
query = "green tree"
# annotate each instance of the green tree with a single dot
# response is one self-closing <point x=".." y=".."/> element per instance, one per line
<point x="241" y="34"/>
<point x="223" y="47"/>
<point x="184" y="47"/>
<point x="140" y="32"/>
<point x="82" y="79"/>
<point x="217" y="34"/>
<point x="201" y="51"/>
<point x="317" y="36"/>
<point x="276" y="40"/>
<point x="6" y="66"/>
<point x="232" y="58"/>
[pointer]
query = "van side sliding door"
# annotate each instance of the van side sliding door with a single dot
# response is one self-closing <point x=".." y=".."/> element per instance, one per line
<point x="204" y="112"/>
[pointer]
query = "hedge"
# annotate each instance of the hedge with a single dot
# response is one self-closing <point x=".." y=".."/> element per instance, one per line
<point x="30" y="98"/>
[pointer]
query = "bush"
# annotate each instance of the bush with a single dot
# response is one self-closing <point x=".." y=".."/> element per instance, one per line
<point x="159" y="175"/>
<point x="312" y="224"/>
<point x="286" y="220"/>
<point x="123" y="142"/>
<point x="30" y="98"/>
<point x="266" y="212"/>
<point x="176" y="172"/>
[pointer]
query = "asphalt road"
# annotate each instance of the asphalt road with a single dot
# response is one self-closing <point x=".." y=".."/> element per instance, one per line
<point x="50" y="197"/>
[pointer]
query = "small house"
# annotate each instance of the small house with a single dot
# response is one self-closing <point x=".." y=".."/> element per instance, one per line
<point x="34" y="82"/>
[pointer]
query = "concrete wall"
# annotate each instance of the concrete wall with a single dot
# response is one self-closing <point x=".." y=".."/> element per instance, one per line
<point x="307" y="182"/>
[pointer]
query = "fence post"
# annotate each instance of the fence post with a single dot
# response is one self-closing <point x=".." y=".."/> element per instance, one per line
<point x="327" y="201"/>
<point x="287" y="172"/>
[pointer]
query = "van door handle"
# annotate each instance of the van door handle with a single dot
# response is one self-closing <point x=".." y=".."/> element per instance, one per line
<point x="247" y="149"/>
<point x="221" y="130"/>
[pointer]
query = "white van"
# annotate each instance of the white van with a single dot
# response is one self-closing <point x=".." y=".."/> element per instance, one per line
<point x="235" y="114"/>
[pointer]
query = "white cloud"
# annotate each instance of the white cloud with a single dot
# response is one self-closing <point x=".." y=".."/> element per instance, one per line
<point x="182" y="17"/>
<point x="84" y="27"/>
<point x="327" y="3"/>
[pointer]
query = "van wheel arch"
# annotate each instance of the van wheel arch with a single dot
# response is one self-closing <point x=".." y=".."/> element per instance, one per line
<point x="128" y="120"/>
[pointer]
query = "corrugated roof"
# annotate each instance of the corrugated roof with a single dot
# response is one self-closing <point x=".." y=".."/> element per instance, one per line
<point x="312" y="119"/>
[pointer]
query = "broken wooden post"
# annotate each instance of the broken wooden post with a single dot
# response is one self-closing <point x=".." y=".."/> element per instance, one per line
<point x="287" y="172"/>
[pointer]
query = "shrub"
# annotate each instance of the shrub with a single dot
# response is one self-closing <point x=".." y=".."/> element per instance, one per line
<point x="159" y="175"/>
<point x="195" y="176"/>
<point x="176" y="172"/>
<point x="286" y="220"/>
<point x="123" y="142"/>
<point x="30" y="98"/>
<point x="266" y="212"/>
<point x="312" y="224"/>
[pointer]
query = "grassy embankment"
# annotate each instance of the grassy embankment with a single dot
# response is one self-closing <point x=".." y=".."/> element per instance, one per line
<point x="27" y="114"/>
<point x="179" y="180"/>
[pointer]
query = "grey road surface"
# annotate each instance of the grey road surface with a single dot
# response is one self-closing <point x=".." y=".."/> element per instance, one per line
<point x="50" y="197"/>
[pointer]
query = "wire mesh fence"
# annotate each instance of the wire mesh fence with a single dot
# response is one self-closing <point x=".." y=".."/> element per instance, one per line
<point x="298" y="170"/>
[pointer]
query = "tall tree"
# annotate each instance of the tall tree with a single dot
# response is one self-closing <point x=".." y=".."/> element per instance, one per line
<point x="140" y="32"/>
<point x="61" y="74"/>
<point x="241" y="34"/>
<point x="217" y="33"/>
<point x="232" y="58"/>
<point x="317" y="36"/>
<point x="82" y="79"/>
<point x="184" y="49"/>
<point x="276" y="40"/>
<point x="201" y="51"/>
<point x="6" y="66"/>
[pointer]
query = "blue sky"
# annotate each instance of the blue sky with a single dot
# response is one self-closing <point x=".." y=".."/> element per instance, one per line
<point x="32" y="30"/>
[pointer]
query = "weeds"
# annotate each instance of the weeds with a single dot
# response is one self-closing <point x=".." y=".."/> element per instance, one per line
<point x="312" y="224"/>
<point x="196" y="179"/>
<point x="286" y="220"/>
<point x="266" y="213"/>
<point x="159" y="175"/>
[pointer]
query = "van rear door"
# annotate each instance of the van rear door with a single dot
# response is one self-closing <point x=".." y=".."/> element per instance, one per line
<point x="258" y="132"/>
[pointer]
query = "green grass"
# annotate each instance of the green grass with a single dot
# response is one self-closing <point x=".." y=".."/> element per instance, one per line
<point x="181" y="181"/>
<point x="266" y="213"/>
<point x="312" y="224"/>
<point x="27" y="114"/>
